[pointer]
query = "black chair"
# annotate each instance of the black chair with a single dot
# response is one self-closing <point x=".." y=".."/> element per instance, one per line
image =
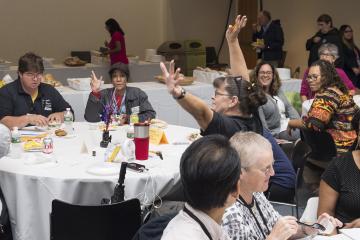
<point x="106" y="222"/>
<point x="299" y="155"/>
<point x="153" y="230"/>
<point x="212" y="60"/>
<point x="323" y="148"/>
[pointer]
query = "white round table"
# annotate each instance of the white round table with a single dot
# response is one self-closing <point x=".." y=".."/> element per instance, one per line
<point x="30" y="187"/>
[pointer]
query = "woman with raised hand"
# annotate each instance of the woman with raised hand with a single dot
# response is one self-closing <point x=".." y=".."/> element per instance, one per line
<point x="120" y="100"/>
<point x="234" y="108"/>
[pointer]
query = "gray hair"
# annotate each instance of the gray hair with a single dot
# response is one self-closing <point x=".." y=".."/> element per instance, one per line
<point x="329" y="47"/>
<point x="248" y="145"/>
<point x="4" y="140"/>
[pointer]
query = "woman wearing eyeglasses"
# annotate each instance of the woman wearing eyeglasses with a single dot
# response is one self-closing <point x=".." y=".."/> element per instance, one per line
<point x="277" y="111"/>
<point x="252" y="216"/>
<point x="234" y="108"/>
<point x="333" y="107"/>
<point x="328" y="52"/>
<point x="351" y="54"/>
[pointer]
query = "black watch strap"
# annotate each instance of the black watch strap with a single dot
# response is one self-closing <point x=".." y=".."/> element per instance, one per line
<point x="182" y="94"/>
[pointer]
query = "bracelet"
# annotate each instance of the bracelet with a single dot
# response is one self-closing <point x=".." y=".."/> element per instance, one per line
<point x="182" y="94"/>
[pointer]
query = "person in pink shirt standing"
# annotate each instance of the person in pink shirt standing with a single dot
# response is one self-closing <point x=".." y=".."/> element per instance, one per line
<point x="327" y="52"/>
<point x="116" y="47"/>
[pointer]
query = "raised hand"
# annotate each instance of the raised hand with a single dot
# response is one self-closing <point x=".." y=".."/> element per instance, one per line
<point x="172" y="78"/>
<point x="233" y="31"/>
<point x="95" y="82"/>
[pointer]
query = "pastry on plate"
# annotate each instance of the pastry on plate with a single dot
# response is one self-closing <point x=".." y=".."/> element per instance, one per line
<point x="60" y="133"/>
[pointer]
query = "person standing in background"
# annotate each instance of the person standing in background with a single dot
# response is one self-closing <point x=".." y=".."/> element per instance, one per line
<point x="327" y="34"/>
<point x="351" y="54"/>
<point x="116" y="47"/>
<point x="268" y="38"/>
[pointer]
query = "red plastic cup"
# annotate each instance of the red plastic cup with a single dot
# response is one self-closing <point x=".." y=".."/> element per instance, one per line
<point x="141" y="140"/>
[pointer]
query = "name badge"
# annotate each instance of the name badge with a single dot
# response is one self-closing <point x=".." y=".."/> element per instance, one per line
<point x="47" y="105"/>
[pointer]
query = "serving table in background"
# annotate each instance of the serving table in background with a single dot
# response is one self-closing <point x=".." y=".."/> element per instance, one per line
<point x="166" y="107"/>
<point x="29" y="188"/>
<point x="139" y="72"/>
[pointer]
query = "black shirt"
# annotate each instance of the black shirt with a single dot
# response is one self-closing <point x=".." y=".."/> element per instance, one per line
<point x="14" y="101"/>
<point x="229" y="125"/>
<point x="343" y="175"/>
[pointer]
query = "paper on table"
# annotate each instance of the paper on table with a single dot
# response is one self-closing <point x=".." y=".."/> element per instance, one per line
<point x="352" y="233"/>
<point x="337" y="237"/>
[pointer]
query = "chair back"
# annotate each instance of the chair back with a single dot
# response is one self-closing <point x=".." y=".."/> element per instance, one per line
<point x="299" y="155"/>
<point x="321" y="143"/>
<point x="153" y="230"/>
<point x="106" y="222"/>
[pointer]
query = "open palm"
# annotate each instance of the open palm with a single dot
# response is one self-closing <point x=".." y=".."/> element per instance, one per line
<point x="233" y="31"/>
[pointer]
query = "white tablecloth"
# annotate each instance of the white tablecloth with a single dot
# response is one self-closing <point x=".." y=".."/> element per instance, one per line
<point x="291" y="85"/>
<point x="165" y="106"/>
<point x="30" y="188"/>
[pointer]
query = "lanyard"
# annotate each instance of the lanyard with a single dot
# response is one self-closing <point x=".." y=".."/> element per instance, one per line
<point x="198" y="221"/>
<point x="249" y="206"/>
<point x="118" y="109"/>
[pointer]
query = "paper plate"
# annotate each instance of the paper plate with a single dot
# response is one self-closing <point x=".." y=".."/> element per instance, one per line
<point x="104" y="170"/>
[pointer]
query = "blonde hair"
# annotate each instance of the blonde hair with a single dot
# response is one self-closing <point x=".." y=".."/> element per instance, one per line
<point x="248" y="145"/>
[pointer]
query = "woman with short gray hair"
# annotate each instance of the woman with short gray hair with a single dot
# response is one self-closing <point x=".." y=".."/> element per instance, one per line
<point x="328" y="52"/>
<point x="252" y="216"/>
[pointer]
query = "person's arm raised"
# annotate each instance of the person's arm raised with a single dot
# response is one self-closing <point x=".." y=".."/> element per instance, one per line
<point x="192" y="104"/>
<point x="237" y="60"/>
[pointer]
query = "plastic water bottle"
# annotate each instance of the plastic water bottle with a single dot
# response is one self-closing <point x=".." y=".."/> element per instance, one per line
<point x="68" y="121"/>
<point x="15" y="151"/>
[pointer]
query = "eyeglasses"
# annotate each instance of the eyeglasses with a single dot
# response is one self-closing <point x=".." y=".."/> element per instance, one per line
<point x="312" y="77"/>
<point x="265" y="73"/>
<point x="327" y="54"/>
<point x="266" y="171"/>
<point x="33" y="75"/>
<point x="348" y="31"/>
<point x="221" y="94"/>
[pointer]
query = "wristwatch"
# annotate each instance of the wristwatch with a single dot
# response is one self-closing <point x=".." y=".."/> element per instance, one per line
<point x="182" y="94"/>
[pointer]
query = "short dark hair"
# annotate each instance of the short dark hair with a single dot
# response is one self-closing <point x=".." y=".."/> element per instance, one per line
<point x="113" y="26"/>
<point x="210" y="169"/>
<point x="30" y="62"/>
<point x="120" y="68"/>
<point x="275" y="84"/>
<point x="266" y="14"/>
<point x="325" y="18"/>
<point x="329" y="76"/>
<point x="250" y="95"/>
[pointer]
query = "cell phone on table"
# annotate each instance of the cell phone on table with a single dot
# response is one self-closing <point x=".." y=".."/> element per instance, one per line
<point x="137" y="167"/>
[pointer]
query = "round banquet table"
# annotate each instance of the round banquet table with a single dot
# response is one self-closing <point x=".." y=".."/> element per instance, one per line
<point x="30" y="186"/>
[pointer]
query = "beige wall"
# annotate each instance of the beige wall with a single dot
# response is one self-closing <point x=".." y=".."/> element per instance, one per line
<point x="298" y="20"/>
<point x="198" y="19"/>
<point x="53" y="28"/>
